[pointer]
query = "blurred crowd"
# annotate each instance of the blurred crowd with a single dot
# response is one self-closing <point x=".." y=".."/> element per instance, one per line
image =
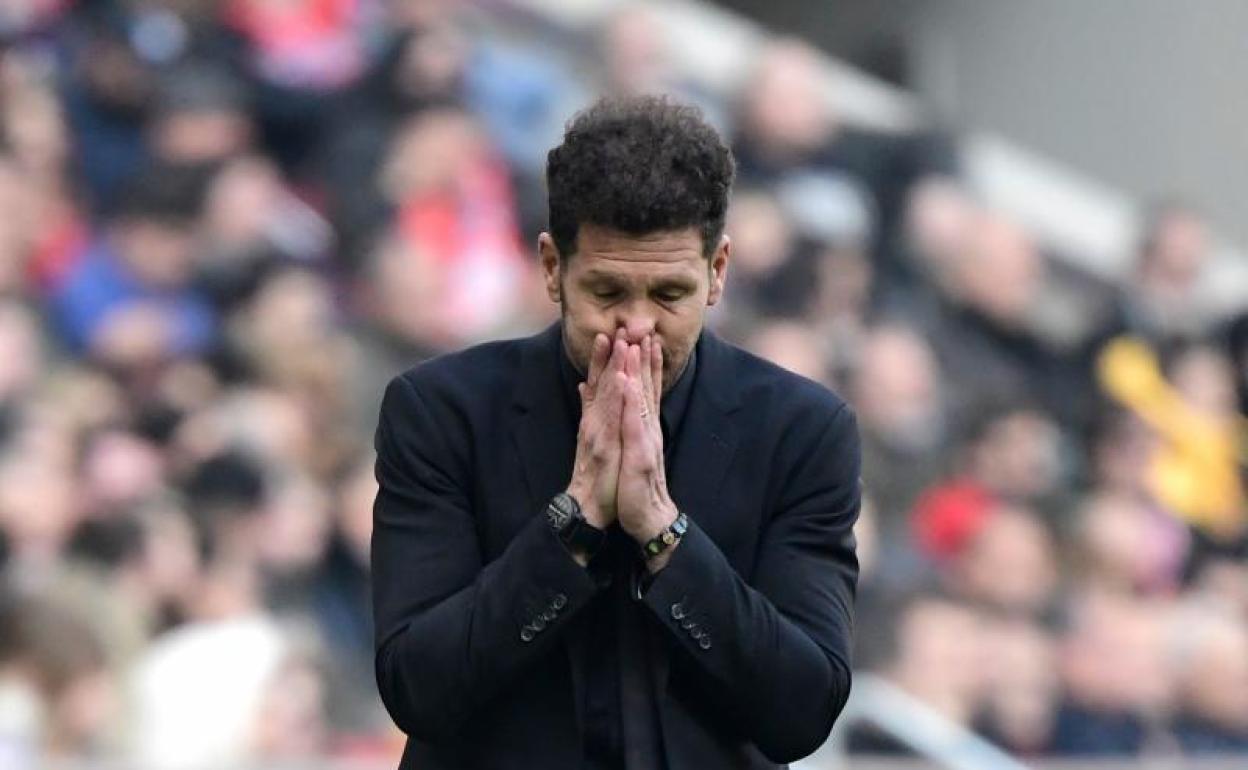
<point x="224" y="225"/>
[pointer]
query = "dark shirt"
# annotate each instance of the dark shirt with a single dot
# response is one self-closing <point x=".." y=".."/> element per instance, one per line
<point x="1198" y="736"/>
<point x="609" y="677"/>
<point x="1080" y="731"/>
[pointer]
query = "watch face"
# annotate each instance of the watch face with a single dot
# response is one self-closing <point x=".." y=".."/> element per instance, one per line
<point x="565" y="503"/>
<point x="557" y="517"/>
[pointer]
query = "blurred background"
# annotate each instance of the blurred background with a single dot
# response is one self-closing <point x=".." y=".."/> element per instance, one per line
<point x="1008" y="235"/>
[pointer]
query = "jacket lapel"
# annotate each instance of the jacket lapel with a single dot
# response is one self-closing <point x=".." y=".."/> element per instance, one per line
<point x="706" y="446"/>
<point x="544" y="435"/>
<point x="543" y="428"/>
<point x="708" y="436"/>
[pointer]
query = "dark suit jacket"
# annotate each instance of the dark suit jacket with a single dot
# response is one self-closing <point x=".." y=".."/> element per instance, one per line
<point x="471" y="446"/>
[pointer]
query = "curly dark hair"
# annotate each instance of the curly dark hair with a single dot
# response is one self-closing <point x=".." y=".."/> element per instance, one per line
<point x="638" y="164"/>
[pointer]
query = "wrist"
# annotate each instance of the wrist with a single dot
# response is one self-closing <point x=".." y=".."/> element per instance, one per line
<point x="663" y="517"/>
<point x="657" y="549"/>
<point x="579" y="492"/>
<point x="584" y="498"/>
<point x="577" y="533"/>
<point x="655" y="565"/>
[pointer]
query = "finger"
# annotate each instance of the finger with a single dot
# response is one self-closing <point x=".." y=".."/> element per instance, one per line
<point x="650" y="413"/>
<point x="631" y="420"/>
<point x="632" y="370"/>
<point x="587" y="396"/>
<point x="647" y="371"/>
<point x="598" y="359"/>
<point x="632" y="366"/>
<point x="614" y="406"/>
<point x="656" y="371"/>
<point x="637" y="390"/>
<point x="619" y="352"/>
<point x="607" y="377"/>
<point x="615" y="367"/>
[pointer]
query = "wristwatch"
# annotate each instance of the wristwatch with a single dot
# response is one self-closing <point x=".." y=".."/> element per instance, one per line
<point x="563" y="513"/>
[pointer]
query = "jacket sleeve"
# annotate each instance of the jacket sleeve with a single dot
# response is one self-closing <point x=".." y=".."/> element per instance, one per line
<point x="775" y="653"/>
<point x="452" y="630"/>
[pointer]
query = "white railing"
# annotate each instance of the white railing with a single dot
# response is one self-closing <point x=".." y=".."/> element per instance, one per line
<point x="929" y="735"/>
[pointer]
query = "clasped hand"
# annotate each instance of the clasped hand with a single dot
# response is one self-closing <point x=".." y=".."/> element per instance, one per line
<point x="619" y="473"/>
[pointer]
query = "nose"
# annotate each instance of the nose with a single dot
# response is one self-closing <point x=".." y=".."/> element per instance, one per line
<point x="636" y="324"/>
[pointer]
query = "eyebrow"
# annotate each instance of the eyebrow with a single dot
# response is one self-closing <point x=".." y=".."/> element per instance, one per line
<point x="597" y="276"/>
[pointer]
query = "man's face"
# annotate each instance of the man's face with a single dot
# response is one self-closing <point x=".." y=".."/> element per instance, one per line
<point x="160" y="254"/>
<point x="658" y="283"/>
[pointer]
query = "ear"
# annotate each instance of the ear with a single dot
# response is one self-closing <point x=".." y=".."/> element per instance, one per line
<point x="550" y="265"/>
<point x="719" y="270"/>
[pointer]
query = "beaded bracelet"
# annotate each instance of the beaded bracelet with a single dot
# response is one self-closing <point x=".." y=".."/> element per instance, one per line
<point x="667" y="538"/>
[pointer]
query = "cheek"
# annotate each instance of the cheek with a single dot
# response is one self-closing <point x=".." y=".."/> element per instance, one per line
<point x="680" y="330"/>
<point x="580" y="328"/>
<point x="675" y="354"/>
<point x="583" y="320"/>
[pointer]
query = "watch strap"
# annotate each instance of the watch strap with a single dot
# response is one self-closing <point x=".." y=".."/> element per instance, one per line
<point x="569" y="523"/>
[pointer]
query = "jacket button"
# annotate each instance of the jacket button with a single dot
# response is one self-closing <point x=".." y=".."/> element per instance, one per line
<point x="538" y="623"/>
<point x="697" y="633"/>
<point x="678" y="611"/>
<point x="705" y="642"/>
<point x="527" y="633"/>
<point x="559" y="602"/>
<point x="548" y="616"/>
<point x="688" y="624"/>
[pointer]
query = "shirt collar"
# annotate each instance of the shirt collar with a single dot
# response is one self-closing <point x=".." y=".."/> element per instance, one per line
<point x="675" y="402"/>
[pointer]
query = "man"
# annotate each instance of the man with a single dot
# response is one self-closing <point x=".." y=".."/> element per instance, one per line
<point x="669" y="585"/>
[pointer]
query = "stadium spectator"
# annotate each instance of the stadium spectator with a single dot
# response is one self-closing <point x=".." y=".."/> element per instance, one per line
<point x="130" y="301"/>
<point x="225" y="226"/>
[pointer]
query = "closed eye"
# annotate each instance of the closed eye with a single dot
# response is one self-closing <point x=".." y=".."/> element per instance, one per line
<point x="671" y="295"/>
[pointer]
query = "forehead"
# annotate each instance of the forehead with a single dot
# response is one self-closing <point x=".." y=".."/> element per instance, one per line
<point x="602" y="250"/>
